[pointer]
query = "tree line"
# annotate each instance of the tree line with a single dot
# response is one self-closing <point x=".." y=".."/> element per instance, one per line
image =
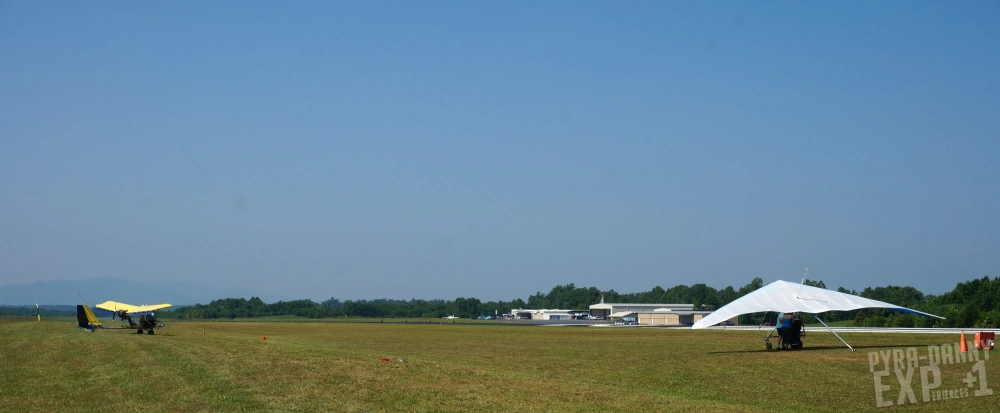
<point x="974" y="303"/>
<point x="44" y="311"/>
<point x="382" y="308"/>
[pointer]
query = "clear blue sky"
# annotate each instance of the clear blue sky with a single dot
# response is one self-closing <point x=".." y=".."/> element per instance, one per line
<point x="493" y="149"/>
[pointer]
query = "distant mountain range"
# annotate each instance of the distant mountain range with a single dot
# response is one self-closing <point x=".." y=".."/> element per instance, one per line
<point x="99" y="290"/>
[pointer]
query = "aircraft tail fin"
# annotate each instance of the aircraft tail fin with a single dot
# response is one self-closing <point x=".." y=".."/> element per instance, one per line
<point x="86" y="318"/>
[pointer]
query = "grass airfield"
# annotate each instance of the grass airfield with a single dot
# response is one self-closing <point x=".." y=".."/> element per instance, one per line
<point x="463" y="366"/>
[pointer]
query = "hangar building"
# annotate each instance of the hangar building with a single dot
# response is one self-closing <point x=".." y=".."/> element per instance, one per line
<point x="652" y="314"/>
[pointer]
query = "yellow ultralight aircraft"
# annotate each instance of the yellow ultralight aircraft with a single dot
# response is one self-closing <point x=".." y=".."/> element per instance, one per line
<point x="147" y="316"/>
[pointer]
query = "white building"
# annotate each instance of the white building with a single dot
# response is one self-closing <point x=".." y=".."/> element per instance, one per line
<point x="610" y="309"/>
<point x="544" y="314"/>
<point x="652" y="314"/>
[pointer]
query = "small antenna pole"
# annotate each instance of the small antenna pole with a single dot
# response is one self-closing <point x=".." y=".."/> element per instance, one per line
<point x="804" y="273"/>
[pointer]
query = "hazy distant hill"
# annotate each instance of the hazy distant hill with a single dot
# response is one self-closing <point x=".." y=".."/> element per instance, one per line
<point x="98" y="290"/>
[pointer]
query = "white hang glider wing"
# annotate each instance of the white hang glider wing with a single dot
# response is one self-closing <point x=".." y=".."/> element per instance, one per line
<point x="783" y="296"/>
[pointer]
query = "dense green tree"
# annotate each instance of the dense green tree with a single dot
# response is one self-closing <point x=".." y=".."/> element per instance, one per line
<point x="974" y="303"/>
<point x="814" y="283"/>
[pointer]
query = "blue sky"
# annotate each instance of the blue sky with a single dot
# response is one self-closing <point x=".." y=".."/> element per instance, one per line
<point x="494" y="149"/>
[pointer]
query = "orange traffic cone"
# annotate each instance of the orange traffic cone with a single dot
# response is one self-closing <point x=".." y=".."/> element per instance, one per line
<point x="963" y="347"/>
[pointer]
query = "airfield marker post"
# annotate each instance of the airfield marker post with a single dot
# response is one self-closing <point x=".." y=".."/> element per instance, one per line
<point x="834" y="332"/>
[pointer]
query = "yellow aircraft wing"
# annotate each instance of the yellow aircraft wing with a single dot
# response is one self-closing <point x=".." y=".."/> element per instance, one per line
<point x="132" y="309"/>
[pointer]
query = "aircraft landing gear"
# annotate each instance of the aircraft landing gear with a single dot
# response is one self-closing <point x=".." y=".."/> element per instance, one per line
<point x="150" y="332"/>
<point x="139" y="331"/>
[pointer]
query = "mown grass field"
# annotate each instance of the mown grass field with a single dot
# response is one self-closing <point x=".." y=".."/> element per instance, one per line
<point x="336" y="366"/>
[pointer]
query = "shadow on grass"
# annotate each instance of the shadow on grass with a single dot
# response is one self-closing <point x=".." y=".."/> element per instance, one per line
<point x="129" y="332"/>
<point x="815" y="348"/>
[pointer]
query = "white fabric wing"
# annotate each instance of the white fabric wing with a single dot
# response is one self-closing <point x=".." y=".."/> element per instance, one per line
<point x="783" y="296"/>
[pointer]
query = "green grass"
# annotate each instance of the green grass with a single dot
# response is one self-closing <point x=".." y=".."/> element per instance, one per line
<point x="335" y="366"/>
<point x="367" y="320"/>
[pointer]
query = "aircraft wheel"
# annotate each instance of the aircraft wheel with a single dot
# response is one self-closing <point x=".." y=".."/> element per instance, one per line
<point x="139" y="331"/>
<point x="150" y="332"/>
